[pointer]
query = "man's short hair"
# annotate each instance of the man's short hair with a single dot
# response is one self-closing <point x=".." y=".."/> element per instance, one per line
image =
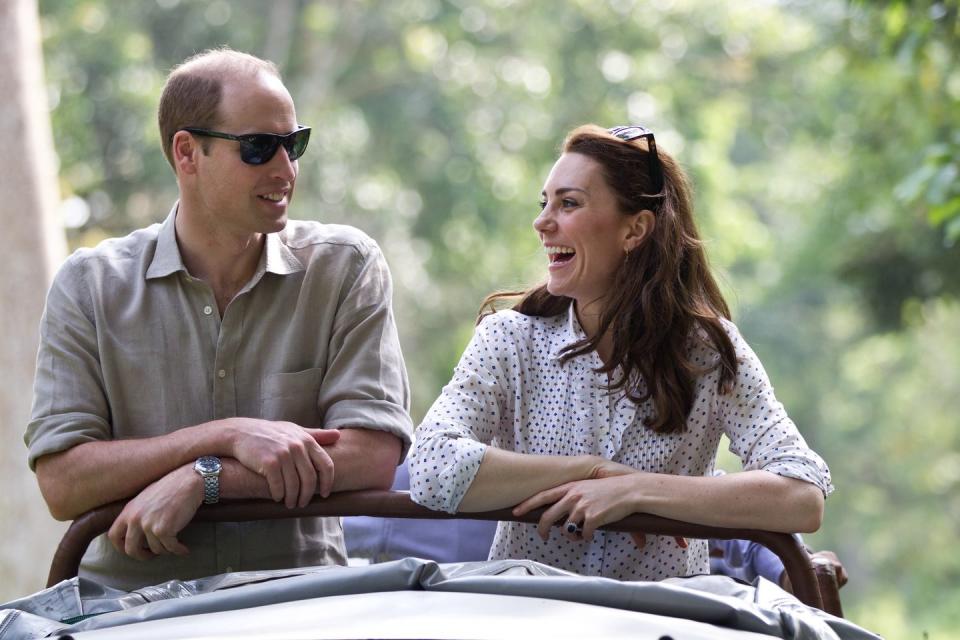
<point x="191" y="96"/>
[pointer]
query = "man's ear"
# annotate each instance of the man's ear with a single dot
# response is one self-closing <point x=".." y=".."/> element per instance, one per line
<point x="642" y="224"/>
<point x="185" y="150"/>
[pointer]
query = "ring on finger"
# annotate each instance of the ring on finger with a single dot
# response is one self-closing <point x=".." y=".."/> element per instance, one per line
<point x="573" y="528"/>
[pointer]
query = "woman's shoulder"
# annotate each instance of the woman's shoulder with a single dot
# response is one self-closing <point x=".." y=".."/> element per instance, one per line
<point x="704" y="342"/>
<point x="513" y="327"/>
<point x="510" y="320"/>
<point x="732" y="330"/>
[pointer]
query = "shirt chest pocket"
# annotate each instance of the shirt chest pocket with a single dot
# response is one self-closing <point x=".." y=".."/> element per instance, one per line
<point x="293" y="397"/>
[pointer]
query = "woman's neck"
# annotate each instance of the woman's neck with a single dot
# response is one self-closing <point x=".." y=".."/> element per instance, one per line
<point x="589" y="317"/>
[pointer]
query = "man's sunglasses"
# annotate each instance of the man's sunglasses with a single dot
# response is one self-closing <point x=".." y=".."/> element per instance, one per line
<point x="259" y="148"/>
<point x="633" y="132"/>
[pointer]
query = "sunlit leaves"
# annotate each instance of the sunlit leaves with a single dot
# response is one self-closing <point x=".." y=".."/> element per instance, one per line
<point x="821" y="136"/>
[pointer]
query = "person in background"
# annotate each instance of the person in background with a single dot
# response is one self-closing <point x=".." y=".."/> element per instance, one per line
<point x="225" y="353"/>
<point x="385" y="539"/>
<point x="605" y="391"/>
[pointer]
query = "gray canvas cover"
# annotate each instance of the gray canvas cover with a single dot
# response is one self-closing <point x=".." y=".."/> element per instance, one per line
<point x="79" y="605"/>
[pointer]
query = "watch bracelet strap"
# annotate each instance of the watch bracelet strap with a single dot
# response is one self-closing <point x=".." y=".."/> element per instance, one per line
<point x="211" y="489"/>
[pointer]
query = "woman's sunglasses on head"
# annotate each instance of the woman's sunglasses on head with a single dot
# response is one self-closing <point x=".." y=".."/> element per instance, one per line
<point x="634" y="132"/>
<point x="259" y="148"/>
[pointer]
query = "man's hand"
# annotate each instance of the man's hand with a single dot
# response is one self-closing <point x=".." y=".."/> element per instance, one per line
<point x="825" y="557"/>
<point x="149" y="524"/>
<point x="291" y="458"/>
<point x="830" y="558"/>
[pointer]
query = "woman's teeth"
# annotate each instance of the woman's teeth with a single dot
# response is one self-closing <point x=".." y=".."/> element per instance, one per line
<point x="557" y="253"/>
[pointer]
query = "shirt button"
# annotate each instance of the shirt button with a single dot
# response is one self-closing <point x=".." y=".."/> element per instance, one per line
<point x="222" y="373"/>
<point x="207" y="310"/>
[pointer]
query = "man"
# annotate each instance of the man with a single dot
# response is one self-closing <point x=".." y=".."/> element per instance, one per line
<point x="222" y="354"/>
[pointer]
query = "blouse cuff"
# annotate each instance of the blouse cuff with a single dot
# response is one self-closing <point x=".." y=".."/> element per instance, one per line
<point x="802" y="468"/>
<point x="442" y="475"/>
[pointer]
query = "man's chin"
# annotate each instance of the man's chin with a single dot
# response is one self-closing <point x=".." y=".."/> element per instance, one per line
<point x="275" y="224"/>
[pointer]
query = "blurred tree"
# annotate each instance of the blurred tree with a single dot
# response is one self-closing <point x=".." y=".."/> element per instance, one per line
<point x="32" y="244"/>
<point x="909" y="54"/>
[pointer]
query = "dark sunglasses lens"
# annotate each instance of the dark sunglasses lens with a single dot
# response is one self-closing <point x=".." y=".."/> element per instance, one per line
<point x="258" y="149"/>
<point x="296" y="143"/>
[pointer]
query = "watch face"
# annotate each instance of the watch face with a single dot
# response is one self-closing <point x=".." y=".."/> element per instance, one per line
<point x="207" y="464"/>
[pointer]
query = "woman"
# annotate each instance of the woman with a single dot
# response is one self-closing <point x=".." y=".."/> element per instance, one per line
<point x="605" y="391"/>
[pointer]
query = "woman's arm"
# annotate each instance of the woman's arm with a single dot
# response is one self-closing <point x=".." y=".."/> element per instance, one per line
<point x="751" y="499"/>
<point x="761" y="433"/>
<point x="506" y="478"/>
<point x="454" y="467"/>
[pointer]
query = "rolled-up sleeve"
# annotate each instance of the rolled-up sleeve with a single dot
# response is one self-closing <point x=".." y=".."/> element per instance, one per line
<point x="456" y="431"/>
<point x="761" y="434"/>
<point x="366" y="384"/>
<point x="69" y="402"/>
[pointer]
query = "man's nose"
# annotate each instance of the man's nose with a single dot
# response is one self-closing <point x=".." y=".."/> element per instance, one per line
<point x="281" y="166"/>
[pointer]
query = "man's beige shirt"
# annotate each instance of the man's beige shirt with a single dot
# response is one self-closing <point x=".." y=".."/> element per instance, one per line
<point x="133" y="346"/>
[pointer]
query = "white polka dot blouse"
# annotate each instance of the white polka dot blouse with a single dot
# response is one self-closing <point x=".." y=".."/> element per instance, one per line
<point x="511" y="391"/>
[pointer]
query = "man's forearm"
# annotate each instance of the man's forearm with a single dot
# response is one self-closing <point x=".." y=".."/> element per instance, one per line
<point x="290" y="457"/>
<point x="96" y="473"/>
<point x="364" y="459"/>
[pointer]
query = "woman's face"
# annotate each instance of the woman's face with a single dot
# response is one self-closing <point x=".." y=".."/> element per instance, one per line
<point x="583" y="231"/>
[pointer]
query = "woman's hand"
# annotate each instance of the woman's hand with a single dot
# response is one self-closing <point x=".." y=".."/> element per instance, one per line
<point x="589" y="503"/>
<point x="604" y="468"/>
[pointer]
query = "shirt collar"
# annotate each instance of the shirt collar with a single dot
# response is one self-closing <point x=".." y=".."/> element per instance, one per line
<point x="569" y="332"/>
<point x="166" y="258"/>
<point x="280" y="259"/>
<point x="277" y="257"/>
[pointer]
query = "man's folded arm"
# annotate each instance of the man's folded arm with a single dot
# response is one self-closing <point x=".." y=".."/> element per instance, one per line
<point x="365" y="459"/>
<point x="290" y="460"/>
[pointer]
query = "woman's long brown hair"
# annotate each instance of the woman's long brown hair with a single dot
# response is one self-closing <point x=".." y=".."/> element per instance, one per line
<point x="666" y="295"/>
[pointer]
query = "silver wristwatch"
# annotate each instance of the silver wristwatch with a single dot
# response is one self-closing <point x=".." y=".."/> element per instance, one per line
<point x="209" y="469"/>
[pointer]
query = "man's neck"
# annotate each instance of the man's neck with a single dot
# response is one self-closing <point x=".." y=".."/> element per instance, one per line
<point x="224" y="260"/>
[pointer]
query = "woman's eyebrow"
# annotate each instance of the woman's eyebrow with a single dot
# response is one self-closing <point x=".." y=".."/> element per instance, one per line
<point x="559" y="191"/>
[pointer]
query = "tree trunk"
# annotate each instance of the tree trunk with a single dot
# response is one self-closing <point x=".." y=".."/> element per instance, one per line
<point x="32" y="244"/>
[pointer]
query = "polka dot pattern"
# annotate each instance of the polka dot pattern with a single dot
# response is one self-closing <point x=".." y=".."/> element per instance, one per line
<point x="511" y="391"/>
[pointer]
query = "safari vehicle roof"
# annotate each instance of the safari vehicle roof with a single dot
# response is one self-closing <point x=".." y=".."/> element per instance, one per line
<point x="414" y="598"/>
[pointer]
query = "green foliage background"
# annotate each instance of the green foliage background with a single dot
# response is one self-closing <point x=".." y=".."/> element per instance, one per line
<point x="821" y="135"/>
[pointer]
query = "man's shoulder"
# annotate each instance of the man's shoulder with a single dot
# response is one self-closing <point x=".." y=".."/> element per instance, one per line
<point x="114" y="253"/>
<point x="311" y="236"/>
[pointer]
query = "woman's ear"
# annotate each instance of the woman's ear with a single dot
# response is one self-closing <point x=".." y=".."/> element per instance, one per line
<point x="641" y="226"/>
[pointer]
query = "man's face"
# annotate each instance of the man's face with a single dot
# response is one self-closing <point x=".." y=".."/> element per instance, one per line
<point x="242" y="198"/>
